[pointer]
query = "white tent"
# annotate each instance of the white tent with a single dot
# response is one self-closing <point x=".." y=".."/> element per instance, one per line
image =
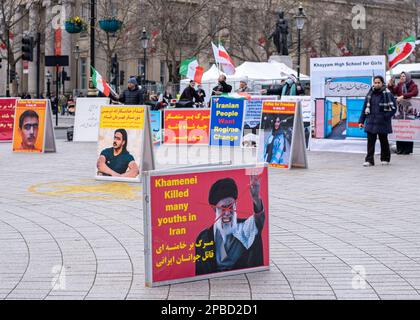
<point x="407" y="67"/>
<point x="258" y="74"/>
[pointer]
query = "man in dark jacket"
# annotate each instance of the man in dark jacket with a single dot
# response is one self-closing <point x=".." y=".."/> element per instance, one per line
<point x="133" y="95"/>
<point x="222" y="87"/>
<point x="231" y="243"/>
<point x="380" y="106"/>
<point x="190" y="94"/>
<point x="404" y="90"/>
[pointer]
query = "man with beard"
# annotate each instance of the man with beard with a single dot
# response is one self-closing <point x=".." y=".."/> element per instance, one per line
<point x="231" y="243"/>
<point x="115" y="161"/>
<point x="29" y="126"/>
<point x="222" y="87"/>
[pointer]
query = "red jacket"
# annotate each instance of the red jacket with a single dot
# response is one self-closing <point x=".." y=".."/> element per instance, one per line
<point x="412" y="90"/>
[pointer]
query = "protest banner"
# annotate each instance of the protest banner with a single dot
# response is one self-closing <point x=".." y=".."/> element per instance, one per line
<point x="125" y="147"/>
<point x="186" y="126"/>
<point x="339" y="82"/>
<point x="308" y="115"/>
<point x="86" y="122"/>
<point x="156" y="127"/>
<point x="227" y="121"/>
<point x="202" y="223"/>
<point x="406" y="123"/>
<point x="252" y="120"/>
<point x="282" y="137"/>
<point x="33" y="130"/>
<point x="7" y="115"/>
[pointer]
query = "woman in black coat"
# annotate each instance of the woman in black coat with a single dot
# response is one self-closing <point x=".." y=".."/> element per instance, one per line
<point x="380" y="106"/>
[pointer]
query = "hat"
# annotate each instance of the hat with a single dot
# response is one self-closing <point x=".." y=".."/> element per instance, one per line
<point x="244" y="79"/>
<point x="133" y="81"/>
<point x="223" y="189"/>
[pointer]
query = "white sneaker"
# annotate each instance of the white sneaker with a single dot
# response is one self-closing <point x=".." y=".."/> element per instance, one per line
<point x="385" y="163"/>
<point x="367" y="164"/>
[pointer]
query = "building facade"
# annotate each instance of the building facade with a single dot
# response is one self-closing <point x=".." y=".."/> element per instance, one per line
<point x="333" y="28"/>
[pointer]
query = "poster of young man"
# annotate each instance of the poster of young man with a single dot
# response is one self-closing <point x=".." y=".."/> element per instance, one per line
<point x="187" y="126"/>
<point x="227" y="120"/>
<point x="276" y="135"/>
<point x="252" y="120"/>
<point x="120" y="143"/>
<point x="206" y="222"/>
<point x="29" y="126"/>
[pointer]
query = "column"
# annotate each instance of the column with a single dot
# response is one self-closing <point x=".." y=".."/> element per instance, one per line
<point x="66" y="45"/>
<point x="49" y="42"/>
<point x="34" y="22"/>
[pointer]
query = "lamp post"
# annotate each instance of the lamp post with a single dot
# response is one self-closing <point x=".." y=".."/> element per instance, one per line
<point x="48" y="76"/>
<point x="77" y="57"/>
<point x="144" y="40"/>
<point x="300" y="23"/>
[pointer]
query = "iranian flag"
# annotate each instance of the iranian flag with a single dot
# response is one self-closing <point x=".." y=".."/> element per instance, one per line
<point x="223" y="58"/>
<point x="192" y="70"/>
<point x="100" y="84"/>
<point x="401" y="51"/>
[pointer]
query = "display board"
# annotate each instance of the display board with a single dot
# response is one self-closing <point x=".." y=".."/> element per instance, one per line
<point x="202" y="223"/>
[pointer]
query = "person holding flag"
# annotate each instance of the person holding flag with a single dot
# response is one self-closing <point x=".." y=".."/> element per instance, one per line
<point x="132" y="95"/>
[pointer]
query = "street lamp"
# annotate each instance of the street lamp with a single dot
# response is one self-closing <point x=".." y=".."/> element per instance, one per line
<point x="300" y="23"/>
<point x="48" y="76"/>
<point x="144" y="40"/>
<point x="77" y="57"/>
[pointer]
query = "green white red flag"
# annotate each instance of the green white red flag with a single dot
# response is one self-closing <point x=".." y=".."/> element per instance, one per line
<point x="192" y="70"/>
<point x="401" y="51"/>
<point x="100" y="84"/>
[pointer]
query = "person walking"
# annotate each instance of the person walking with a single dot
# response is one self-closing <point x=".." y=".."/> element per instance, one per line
<point x="379" y="108"/>
<point x="404" y="90"/>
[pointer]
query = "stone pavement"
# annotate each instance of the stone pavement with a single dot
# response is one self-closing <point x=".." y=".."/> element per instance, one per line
<point x="338" y="231"/>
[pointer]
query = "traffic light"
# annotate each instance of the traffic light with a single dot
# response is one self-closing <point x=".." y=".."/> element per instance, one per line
<point x="12" y="76"/>
<point x="114" y="65"/>
<point x="122" y="76"/>
<point x="28" y="48"/>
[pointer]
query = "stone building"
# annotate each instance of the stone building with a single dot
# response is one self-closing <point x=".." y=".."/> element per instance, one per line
<point x="329" y="31"/>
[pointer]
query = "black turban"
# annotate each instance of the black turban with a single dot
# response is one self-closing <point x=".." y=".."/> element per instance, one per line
<point x="223" y="189"/>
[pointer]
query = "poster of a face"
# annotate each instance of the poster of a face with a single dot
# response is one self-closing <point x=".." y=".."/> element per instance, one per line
<point x="29" y="126"/>
<point x="120" y="142"/>
<point x="276" y="133"/>
<point x="208" y="223"/>
<point x="253" y="119"/>
<point x="7" y="115"/>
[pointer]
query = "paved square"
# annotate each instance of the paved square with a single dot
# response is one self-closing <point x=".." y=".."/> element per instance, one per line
<point x="338" y="231"/>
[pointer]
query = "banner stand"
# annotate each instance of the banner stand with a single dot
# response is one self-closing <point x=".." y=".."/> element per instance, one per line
<point x="147" y="158"/>
<point x="299" y="157"/>
<point x="153" y="237"/>
<point x="49" y="142"/>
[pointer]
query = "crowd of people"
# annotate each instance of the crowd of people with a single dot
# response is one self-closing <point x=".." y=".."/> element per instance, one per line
<point x="381" y="105"/>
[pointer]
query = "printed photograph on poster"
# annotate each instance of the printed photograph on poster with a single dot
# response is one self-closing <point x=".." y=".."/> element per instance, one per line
<point x="253" y="120"/>
<point x="276" y="133"/>
<point x="406" y="123"/>
<point x="29" y="126"/>
<point x="7" y="115"/>
<point x="227" y="119"/>
<point x="208" y="223"/>
<point x="187" y="126"/>
<point x="156" y="126"/>
<point x="307" y="112"/>
<point x="120" y="142"/>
